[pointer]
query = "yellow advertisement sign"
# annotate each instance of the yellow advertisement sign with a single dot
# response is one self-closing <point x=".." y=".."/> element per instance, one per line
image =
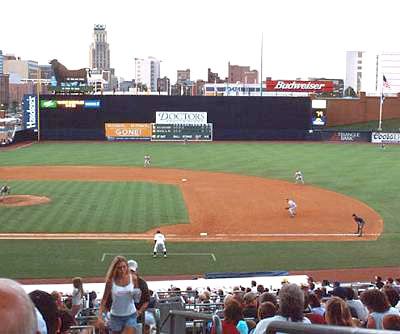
<point x="128" y="130"/>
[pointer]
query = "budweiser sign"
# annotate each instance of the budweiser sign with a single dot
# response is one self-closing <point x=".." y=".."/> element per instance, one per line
<point x="299" y="86"/>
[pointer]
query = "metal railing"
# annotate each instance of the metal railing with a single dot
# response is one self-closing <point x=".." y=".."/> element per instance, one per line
<point x="175" y="315"/>
<point x="300" y="328"/>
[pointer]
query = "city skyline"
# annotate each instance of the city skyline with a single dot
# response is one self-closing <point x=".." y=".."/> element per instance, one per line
<point x="301" y="38"/>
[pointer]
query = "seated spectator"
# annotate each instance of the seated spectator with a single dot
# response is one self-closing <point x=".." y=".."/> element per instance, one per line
<point x="315" y="304"/>
<point x="378" y="307"/>
<point x="268" y="297"/>
<point x="315" y="318"/>
<point x="66" y="321"/>
<point x="391" y="294"/>
<point x="260" y="289"/>
<point x="250" y="305"/>
<point x="378" y="282"/>
<point x="46" y="305"/>
<point x="233" y="320"/>
<point x="57" y="296"/>
<point x="361" y="313"/>
<point x="391" y="322"/>
<point x="338" y="313"/>
<point x="291" y="306"/>
<point x="17" y="313"/>
<point x="266" y="310"/>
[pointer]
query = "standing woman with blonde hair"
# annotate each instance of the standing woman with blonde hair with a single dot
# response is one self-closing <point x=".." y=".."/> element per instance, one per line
<point x="77" y="296"/>
<point x="120" y="294"/>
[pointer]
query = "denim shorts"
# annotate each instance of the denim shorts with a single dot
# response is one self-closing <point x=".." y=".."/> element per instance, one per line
<point x="117" y="324"/>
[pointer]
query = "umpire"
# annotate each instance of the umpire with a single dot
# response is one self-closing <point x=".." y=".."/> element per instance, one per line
<point x="360" y="224"/>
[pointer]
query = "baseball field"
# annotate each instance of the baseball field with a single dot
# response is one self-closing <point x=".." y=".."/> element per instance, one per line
<point x="73" y="206"/>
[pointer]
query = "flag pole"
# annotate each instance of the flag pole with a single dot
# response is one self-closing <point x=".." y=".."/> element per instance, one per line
<point x="380" y="108"/>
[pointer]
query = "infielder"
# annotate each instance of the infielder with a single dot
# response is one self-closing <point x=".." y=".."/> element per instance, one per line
<point x="299" y="177"/>
<point x="360" y="224"/>
<point x="147" y="160"/>
<point x="4" y="190"/>
<point x="291" y="207"/>
<point x="159" y="244"/>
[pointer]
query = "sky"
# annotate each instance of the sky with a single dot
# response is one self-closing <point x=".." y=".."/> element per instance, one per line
<point x="301" y="38"/>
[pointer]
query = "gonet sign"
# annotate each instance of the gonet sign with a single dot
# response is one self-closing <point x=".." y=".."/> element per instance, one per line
<point x="299" y="86"/>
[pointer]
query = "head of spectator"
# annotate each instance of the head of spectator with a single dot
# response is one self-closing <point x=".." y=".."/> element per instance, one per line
<point x="227" y="299"/>
<point x="46" y="305"/>
<point x="339" y="291"/>
<point x="17" y="313"/>
<point x="392" y="322"/>
<point x="389" y="281"/>
<point x="260" y="289"/>
<point x="253" y="284"/>
<point x="266" y="310"/>
<point x="338" y="313"/>
<point x="314" y="301"/>
<point x="57" y="296"/>
<point x="375" y="301"/>
<point x="117" y="269"/>
<point x="238" y="296"/>
<point x="268" y="297"/>
<point x="391" y="294"/>
<point x="291" y="302"/>
<point x="250" y="299"/>
<point x="379" y="282"/>
<point x="233" y="312"/>
<point x="325" y="282"/>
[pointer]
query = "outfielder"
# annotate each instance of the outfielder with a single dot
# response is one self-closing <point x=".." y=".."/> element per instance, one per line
<point x="147" y="160"/>
<point x="299" y="177"/>
<point x="291" y="207"/>
<point x="159" y="244"/>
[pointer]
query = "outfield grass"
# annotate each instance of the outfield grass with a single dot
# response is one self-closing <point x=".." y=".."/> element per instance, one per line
<point x="363" y="171"/>
<point x="94" y="207"/>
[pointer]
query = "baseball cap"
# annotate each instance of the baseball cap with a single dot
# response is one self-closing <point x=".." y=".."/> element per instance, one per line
<point x="132" y="264"/>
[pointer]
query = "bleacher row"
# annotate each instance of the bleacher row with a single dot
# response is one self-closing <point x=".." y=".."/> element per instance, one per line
<point x="315" y="307"/>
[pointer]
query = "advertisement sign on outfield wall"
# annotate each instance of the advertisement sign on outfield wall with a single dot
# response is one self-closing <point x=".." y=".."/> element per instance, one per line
<point x="30" y="112"/>
<point x="349" y="136"/>
<point x="128" y="131"/>
<point x="385" y="137"/>
<point x="181" y="117"/>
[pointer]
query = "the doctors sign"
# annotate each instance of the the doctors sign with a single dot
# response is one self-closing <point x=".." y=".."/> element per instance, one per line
<point x="181" y="117"/>
<point x="385" y="137"/>
<point x="299" y="86"/>
<point x="30" y="112"/>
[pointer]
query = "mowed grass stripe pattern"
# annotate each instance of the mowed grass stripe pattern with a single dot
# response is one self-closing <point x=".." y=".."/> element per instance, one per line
<point x="94" y="207"/>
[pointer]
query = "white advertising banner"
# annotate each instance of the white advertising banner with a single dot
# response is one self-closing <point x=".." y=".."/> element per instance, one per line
<point x="181" y="117"/>
<point x="385" y="137"/>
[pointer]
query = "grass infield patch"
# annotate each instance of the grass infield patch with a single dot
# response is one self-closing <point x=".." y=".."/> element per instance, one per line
<point x="94" y="207"/>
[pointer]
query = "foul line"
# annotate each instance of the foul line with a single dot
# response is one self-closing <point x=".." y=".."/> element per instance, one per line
<point x="293" y="234"/>
<point x="151" y="254"/>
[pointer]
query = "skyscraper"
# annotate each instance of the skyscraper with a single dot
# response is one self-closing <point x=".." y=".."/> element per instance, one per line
<point x="99" y="55"/>
<point x="147" y="71"/>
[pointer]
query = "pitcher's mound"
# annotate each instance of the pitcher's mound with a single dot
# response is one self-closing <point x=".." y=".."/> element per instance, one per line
<point x="23" y="200"/>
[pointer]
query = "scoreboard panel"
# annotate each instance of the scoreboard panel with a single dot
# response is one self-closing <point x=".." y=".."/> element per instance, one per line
<point x="181" y="132"/>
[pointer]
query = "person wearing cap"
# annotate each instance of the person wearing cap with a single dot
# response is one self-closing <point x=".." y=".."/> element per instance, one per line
<point x="159" y="244"/>
<point x="144" y="301"/>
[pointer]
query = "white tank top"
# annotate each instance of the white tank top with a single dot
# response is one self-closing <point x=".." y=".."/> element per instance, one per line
<point x="122" y="299"/>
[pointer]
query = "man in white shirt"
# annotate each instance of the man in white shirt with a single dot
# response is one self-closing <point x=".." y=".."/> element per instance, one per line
<point x="292" y="206"/>
<point x="159" y="244"/>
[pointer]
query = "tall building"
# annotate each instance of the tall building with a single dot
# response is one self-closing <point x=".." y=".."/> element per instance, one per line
<point x="147" y="72"/>
<point x="365" y="71"/>
<point x="1" y="62"/>
<point x="22" y="69"/>
<point x="4" y="89"/>
<point x="99" y="56"/>
<point x="183" y="76"/>
<point x="242" y="74"/>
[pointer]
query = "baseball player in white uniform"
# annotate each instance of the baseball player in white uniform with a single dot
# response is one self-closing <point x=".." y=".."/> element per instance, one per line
<point x="299" y="177"/>
<point x="291" y="207"/>
<point x="4" y="190"/>
<point x="159" y="244"/>
<point x="147" y="160"/>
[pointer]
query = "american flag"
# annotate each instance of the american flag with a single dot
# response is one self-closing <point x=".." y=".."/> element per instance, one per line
<point x="385" y="82"/>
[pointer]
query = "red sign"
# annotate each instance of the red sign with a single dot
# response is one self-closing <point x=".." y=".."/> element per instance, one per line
<point x="299" y="86"/>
